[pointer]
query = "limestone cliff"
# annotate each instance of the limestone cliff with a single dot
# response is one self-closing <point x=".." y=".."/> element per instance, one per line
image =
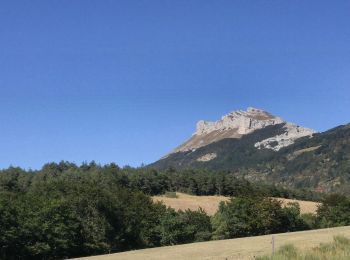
<point x="238" y="123"/>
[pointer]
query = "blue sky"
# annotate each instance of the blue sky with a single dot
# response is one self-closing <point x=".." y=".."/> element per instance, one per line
<point x="126" y="81"/>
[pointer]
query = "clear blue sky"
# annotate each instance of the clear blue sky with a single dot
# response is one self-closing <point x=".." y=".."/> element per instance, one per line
<point x="126" y="81"/>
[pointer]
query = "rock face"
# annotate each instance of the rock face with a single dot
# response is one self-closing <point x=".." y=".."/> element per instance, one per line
<point x="292" y="133"/>
<point x="244" y="122"/>
<point x="239" y="123"/>
<point x="207" y="157"/>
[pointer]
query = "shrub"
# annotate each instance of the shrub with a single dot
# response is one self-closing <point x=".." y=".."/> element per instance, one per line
<point x="184" y="227"/>
<point x="334" y="211"/>
<point x="251" y="216"/>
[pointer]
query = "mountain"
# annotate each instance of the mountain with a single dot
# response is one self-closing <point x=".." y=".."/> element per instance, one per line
<point x="259" y="146"/>
<point x="239" y="123"/>
<point x="213" y="142"/>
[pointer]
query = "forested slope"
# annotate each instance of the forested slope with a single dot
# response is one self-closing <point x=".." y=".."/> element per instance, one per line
<point x="320" y="163"/>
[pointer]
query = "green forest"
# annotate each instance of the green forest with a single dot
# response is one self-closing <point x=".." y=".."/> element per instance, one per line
<point x="65" y="210"/>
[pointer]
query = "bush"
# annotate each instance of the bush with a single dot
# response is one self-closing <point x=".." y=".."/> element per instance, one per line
<point x="184" y="227"/>
<point x="251" y="216"/>
<point x="334" y="211"/>
<point x="310" y="220"/>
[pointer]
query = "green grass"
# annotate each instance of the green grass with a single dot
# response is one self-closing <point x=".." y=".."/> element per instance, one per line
<point x="339" y="249"/>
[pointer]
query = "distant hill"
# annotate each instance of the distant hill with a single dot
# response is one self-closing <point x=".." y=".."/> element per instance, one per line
<point x="261" y="147"/>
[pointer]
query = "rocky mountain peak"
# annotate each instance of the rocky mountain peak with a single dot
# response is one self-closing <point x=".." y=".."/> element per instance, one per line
<point x="242" y="122"/>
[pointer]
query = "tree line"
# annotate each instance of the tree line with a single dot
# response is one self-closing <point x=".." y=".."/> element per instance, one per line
<point x="65" y="210"/>
<point x="150" y="181"/>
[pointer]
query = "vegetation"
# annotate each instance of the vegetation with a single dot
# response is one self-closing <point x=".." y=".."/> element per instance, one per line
<point x="239" y="248"/>
<point x="54" y="215"/>
<point x="320" y="163"/>
<point x="149" y="181"/>
<point x="211" y="203"/>
<point x="184" y="227"/>
<point x="339" y="249"/>
<point x="252" y="216"/>
<point x="65" y="210"/>
<point x="232" y="154"/>
<point x="334" y="211"/>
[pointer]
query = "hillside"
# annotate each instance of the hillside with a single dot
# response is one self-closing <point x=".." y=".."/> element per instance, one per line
<point x="230" y="153"/>
<point x="240" y="248"/>
<point x="211" y="203"/>
<point x="238" y="139"/>
<point x="320" y="162"/>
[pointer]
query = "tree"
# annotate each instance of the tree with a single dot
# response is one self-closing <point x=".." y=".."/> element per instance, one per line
<point x="184" y="227"/>
<point x="334" y="211"/>
<point x="250" y="216"/>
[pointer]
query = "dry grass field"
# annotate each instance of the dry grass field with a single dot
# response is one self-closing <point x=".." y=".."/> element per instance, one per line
<point x="210" y="203"/>
<point x="184" y="201"/>
<point x="240" y="248"/>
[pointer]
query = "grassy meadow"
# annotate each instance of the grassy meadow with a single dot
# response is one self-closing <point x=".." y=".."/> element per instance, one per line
<point x="339" y="249"/>
<point x="241" y="248"/>
<point x="211" y="203"/>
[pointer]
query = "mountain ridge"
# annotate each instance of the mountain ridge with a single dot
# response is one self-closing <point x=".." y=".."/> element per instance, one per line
<point x="239" y="123"/>
<point x="317" y="161"/>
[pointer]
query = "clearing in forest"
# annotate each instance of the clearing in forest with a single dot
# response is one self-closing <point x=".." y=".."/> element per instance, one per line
<point x="211" y="203"/>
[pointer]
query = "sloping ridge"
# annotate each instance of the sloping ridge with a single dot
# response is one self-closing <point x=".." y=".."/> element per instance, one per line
<point x="320" y="163"/>
<point x="268" y="151"/>
<point x="230" y="153"/>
